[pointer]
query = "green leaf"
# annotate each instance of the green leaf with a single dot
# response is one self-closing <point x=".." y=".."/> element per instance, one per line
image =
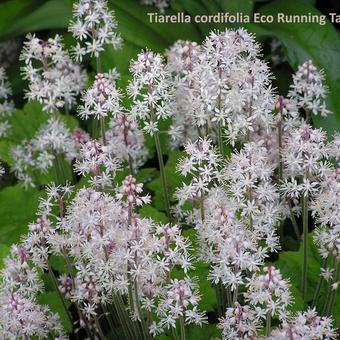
<point x="17" y="209"/>
<point x="135" y="27"/>
<point x="150" y="212"/>
<point x="53" y="301"/>
<point x="208" y="300"/>
<point x="206" y="332"/>
<point x="290" y="264"/>
<point x="304" y="41"/>
<point x="24" y="125"/>
<point x="11" y="11"/>
<point x="51" y="14"/>
<point x="4" y="251"/>
<point x="58" y="263"/>
<point x="146" y="175"/>
<point x="174" y="180"/>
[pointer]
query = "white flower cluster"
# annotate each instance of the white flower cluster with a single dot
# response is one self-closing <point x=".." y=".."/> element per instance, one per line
<point x="305" y="325"/>
<point x="202" y="165"/>
<point x="179" y="300"/>
<point x="269" y="293"/>
<point x="160" y="4"/>
<point x="52" y="140"/>
<point x="308" y="90"/>
<point x="95" y="26"/>
<point x="99" y="161"/>
<point x="240" y="322"/>
<point x="228" y="85"/>
<point x="54" y="80"/>
<point x="127" y="141"/>
<point x="113" y="249"/>
<point x="6" y="104"/>
<point x="180" y="60"/>
<point x="150" y="89"/>
<point x="226" y="242"/>
<point x="247" y="178"/>
<point x="20" y="314"/>
<point x="101" y="99"/>
<point x="303" y="155"/>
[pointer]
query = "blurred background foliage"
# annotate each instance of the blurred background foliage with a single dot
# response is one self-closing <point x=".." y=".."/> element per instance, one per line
<point x="300" y="42"/>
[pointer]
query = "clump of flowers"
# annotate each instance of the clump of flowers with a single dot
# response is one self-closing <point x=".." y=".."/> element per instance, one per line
<point x="178" y="301"/>
<point x="269" y="293"/>
<point x="202" y="164"/>
<point x="94" y="25"/>
<point x="21" y="315"/>
<point x="181" y="58"/>
<point x="98" y="161"/>
<point x="101" y="99"/>
<point x="6" y="104"/>
<point x="239" y="322"/>
<point x="308" y="90"/>
<point x="248" y="180"/>
<point x="305" y="325"/>
<point x="252" y="161"/>
<point x="53" y="79"/>
<point x="52" y="142"/>
<point x="127" y="141"/>
<point x="150" y="89"/>
<point x="227" y="244"/>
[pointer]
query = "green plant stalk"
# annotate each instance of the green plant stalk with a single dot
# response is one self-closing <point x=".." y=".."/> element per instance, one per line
<point x="69" y="272"/>
<point x="182" y="327"/>
<point x="202" y="206"/>
<point x="102" y="128"/>
<point x="139" y="310"/>
<point x="55" y="283"/>
<point x="293" y="219"/>
<point x="268" y="324"/>
<point x="174" y="333"/>
<point x="162" y="173"/>
<point x="99" y="329"/>
<point x="279" y="127"/>
<point x="229" y="297"/>
<point x="332" y="292"/>
<point x="109" y="316"/>
<point x="235" y="295"/>
<point x="129" y="328"/>
<point x="305" y="245"/>
<point x="220" y="139"/>
<point x="318" y="288"/>
<point x="57" y="177"/>
<point x="218" y="298"/>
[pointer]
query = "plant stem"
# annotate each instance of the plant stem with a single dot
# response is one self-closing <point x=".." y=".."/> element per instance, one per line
<point x="99" y="328"/>
<point x="318" y="288"/>
<point x="55" y="283"/>
<point x="102" y="129"/>
<point x="220" y="139"/>
<point x="182" y="327"/>
<point x="202" y="206"/>
<point x="174" y="333"/>
<point x="305" y="245"/>
<point x="162" y="173"/>
<point x="332" y="292"/>
<point x="235" y="296"/>
<point x="293" y="219"/>
<point x="139" y="311"/>
<point x="109" y="317"/>
<point x="268" y="324"/>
